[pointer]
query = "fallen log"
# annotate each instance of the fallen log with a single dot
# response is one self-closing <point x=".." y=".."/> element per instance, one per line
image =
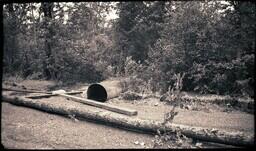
<point x="109" y="107"/>
<point x="49" y="95"/>
<point x="217" y="136"/>
<point x="27" y="91"/>
<point x="89" y="102"/>
<point x="245" y="104"/>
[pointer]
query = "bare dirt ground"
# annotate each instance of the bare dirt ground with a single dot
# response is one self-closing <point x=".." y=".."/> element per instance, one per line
<point x="28" y="128"/>
<point x="232" y="121"/>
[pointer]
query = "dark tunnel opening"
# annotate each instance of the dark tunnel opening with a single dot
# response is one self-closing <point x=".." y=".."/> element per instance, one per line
<point x="97" y="92"/>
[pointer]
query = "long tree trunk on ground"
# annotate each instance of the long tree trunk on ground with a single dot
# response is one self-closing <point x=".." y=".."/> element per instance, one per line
<point x="212" y="135"/>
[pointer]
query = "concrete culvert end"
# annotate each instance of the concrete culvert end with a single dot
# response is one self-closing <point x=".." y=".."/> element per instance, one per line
<point x="104" y="91"/>
<point x="97" y="92"/>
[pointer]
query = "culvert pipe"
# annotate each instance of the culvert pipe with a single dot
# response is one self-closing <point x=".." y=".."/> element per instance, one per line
<point x="105" y="90"/>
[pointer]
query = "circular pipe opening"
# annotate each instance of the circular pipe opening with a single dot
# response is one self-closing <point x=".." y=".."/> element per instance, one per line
<point x="97" y="92"/>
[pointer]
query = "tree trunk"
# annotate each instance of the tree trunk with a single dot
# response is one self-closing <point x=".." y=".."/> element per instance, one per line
<point x="48" y="62"/>
<point x="217" y="136"/>
<point x="11" y="49"/>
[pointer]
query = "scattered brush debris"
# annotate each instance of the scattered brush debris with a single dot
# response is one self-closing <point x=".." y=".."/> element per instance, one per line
<point x="13" y="85"/>
<point x="129" y="95"/>
<point x="174" y="138"/>
<point x="204" y="103"/>
<point x="73" y="117"/>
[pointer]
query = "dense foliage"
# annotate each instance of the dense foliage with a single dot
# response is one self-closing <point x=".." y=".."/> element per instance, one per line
<point x="210" y="43"/>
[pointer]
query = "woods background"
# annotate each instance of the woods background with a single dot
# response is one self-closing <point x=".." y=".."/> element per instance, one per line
<point x="208" y="46"/>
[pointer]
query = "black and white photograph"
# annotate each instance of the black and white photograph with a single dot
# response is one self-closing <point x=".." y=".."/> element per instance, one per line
<point x="128" y="74"/>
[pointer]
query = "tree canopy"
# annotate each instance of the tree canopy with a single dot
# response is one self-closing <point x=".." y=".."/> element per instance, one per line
<point x="210" y="42"/>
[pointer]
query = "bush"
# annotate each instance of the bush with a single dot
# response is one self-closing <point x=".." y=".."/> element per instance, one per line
<point x="233" y="77"/>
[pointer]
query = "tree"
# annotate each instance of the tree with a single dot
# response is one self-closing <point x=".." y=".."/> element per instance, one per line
<point x="137" y="29"/>
<point x="47" y="9"/>
<point x="10" y="33"/>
